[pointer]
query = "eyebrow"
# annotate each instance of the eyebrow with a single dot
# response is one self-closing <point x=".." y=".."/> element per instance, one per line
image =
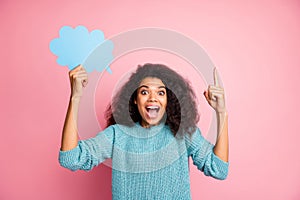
<point x="148" y="86"/>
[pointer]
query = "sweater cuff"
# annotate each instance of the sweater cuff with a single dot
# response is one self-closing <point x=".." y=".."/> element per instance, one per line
<point x="68" y="158"/>
<point x="221" y="165"/>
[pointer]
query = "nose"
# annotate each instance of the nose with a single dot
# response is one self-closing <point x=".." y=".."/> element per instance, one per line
<point x="152" y="97"/>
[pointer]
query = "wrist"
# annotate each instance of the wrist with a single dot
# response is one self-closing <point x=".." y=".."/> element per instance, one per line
<point x="75" y="99"/>
<point x="222" y="113"/>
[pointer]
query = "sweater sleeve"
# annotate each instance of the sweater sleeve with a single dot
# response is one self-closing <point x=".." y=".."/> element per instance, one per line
<point x="204" y="157"/>
<point x="89" y="153"/>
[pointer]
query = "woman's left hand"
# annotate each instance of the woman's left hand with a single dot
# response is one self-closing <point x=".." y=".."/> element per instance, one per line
<point x="215" y="95"/>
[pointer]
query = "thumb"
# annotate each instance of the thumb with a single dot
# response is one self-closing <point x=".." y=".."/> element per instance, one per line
<point x="84" y="83"/>
<point x="205" y="93"/>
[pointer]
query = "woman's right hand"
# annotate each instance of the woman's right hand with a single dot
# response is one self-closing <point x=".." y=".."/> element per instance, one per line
<point x="78" y="80"/>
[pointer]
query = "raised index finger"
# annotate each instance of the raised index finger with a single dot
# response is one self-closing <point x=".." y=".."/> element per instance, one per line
<point x="216" y="80"/>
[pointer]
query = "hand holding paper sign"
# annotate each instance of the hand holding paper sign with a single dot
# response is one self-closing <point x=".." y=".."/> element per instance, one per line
<point x="78" y="80"/>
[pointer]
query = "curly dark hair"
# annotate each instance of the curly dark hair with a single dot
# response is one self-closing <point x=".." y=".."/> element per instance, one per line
<point x="181" y="111"/>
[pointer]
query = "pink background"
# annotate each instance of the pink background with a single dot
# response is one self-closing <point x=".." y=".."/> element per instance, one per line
<point x="255" y="45"/>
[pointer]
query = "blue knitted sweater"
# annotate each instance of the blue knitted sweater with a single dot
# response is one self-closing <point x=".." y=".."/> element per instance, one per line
<point x="147" y="163"/>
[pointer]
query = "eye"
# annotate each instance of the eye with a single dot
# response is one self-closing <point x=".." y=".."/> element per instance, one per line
<point x="144" y="92"/>
<point x="161" y="93"/>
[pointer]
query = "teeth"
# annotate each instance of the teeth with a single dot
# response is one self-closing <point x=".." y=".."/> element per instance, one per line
<point x="152" y="107"/>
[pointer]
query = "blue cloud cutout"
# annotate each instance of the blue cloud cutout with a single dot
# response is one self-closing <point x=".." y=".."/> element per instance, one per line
<point x="74" y="46"/>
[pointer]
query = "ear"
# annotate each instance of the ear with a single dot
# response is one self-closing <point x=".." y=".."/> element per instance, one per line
<point x="134" y="101"/>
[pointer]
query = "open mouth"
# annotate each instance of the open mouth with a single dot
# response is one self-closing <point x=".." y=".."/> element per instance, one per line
<point x="152" y="111"/>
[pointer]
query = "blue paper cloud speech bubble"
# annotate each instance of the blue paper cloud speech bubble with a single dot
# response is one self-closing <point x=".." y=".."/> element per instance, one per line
<point x="74" y="45"/>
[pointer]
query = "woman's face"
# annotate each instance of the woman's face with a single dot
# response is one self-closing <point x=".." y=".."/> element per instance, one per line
<point x="151" y="101"/>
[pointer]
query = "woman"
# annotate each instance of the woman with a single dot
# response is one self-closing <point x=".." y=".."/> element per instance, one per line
<point x="151" y="132"/>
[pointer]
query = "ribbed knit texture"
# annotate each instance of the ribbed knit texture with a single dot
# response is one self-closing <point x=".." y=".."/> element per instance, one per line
<point x="148" y="163"/>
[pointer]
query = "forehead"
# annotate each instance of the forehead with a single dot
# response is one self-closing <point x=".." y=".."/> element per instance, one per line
<point x="151" y="82"/>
